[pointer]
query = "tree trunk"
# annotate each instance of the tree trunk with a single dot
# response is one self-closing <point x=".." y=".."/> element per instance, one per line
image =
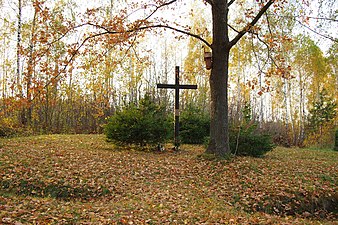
<point x="30" y="71"/>
<point x="18" y="45"/>
<point x="219" y="135"/>
<point x="219" y="138"/>
<point x="4" y="72"/>
<point x="22" y="113"/>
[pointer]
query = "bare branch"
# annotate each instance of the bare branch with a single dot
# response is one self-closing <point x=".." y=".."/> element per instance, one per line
<point x="151" y="27"/>
<point x="174" y="29"/>
<point x="230" y="3"/>
<point x="268" y="48"/>
<point x="268" y="21"/>
<point x="309" y="17"/>
<point x="323" y="18"/>
<point x="159" y="7"/>
<point x="261" y="40"/>
<point x="316" y="32"/>
<point x="64" y="34"/>
<point x="232" y="28"/>
<point x="307" y="27"/>
<point x="253" y="22"/>
<point x="257" y="59"/>
<point x="210" y="2"/>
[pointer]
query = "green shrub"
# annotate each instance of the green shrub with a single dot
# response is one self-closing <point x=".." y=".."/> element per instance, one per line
<point x="195" y="125"/>
<point x="7" y="127"/>
<point x="6" y="131"/>
<point x="255" y="145"/>
<point x="336" y="141"/>
<point x="141" y="125"/>
<point x="246" y="142"/>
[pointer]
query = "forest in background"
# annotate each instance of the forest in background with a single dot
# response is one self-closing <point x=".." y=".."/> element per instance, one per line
<point x="58" y="75"/>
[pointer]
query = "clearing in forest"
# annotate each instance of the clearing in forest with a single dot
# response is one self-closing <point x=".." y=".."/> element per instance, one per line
<point x="81" y="179"/>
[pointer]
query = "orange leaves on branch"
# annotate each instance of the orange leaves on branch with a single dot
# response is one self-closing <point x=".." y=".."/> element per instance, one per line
<point x="72" y="50"/>
<point x="283" y="71"/>
<point x="264" y="87"/>
<point x="92" y="12"/>
<point x="249" y="13"/>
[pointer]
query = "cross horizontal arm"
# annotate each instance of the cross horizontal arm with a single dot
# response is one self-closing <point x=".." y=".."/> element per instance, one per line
<point x="187" y="86"/>
<point x="173" y="86"/>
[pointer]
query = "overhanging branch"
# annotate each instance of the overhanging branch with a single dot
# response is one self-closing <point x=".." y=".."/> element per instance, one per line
<point x="174" y="29"/>
<point x="149" y="27"/>
<point x="316" y="32"/>
<point x="253" y="22"/>
<point x="159" y="7"/>
<point x="308" y="27"/>
<point x="230" y="3"/>
<point x="106" y="31"/>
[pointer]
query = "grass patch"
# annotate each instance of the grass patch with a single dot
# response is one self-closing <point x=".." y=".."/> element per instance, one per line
<point x="69" y="179"/>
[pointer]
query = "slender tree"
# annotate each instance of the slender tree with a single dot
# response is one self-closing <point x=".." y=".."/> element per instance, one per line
<point x="18" y="45"/>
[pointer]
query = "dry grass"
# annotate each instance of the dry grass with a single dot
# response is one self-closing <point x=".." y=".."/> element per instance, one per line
<point x="81" y="179"/>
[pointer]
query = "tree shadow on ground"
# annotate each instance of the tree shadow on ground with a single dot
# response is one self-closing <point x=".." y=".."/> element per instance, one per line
<point x="300" y="205"/>
<point x="58" y="190"/>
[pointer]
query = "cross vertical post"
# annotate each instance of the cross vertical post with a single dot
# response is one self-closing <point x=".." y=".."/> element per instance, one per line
<point x="177" y="108"/>
<point x="177" y="88"/>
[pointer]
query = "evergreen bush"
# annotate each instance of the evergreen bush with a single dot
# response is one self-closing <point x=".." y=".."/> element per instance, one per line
<point x="145" y="124"/>
<point x="195" y="125"/>
<point x="255" y="145"/>
<point x="245" y="141"/>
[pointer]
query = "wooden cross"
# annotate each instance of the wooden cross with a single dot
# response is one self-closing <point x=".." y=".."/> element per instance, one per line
<point x="177" y="86"/>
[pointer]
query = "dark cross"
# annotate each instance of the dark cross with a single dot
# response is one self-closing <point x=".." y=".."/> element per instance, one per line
<point x="177" y="86"/>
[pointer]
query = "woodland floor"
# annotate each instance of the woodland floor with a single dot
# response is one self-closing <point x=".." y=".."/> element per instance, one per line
<point x="81" y="179"/>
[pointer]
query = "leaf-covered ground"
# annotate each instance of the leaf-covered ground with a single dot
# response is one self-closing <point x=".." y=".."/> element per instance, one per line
<point x="81" y="179"/>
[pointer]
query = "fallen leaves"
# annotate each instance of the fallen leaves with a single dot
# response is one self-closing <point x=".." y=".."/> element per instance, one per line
<point x="82" y="179"/>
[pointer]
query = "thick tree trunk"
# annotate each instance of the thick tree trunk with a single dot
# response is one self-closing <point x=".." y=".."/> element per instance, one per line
<point x="219" y="138"/>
